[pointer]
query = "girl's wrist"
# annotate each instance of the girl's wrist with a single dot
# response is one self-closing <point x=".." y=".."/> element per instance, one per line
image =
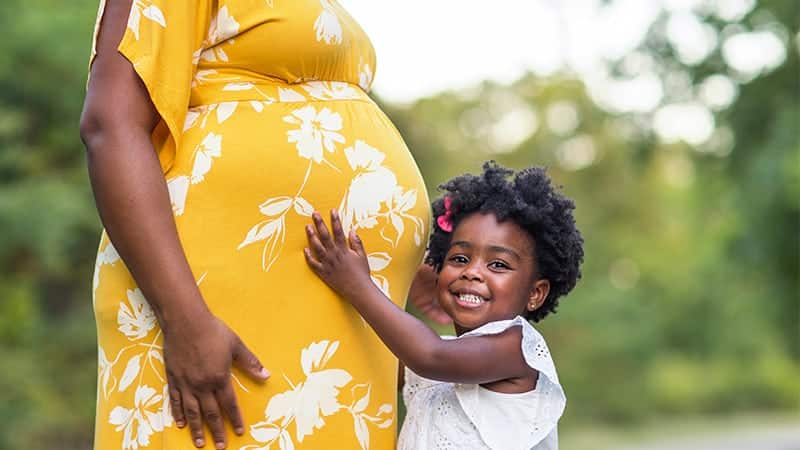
<point x="358" y="288"/>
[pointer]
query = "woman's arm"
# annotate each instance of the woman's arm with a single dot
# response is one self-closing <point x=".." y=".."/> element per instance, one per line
<point x="134" y="206"/>
<point x="344" y="268"/>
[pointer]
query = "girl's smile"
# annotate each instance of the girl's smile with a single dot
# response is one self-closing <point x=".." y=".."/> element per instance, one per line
<point x="489" y="273"/>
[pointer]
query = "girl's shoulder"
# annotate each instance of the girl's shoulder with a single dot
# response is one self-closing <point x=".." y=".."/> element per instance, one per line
<point x="534" y="348"/>
<point x="510" y="419"/>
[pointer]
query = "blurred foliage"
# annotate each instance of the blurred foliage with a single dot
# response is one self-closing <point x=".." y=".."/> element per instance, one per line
<point x="689" y="299"/>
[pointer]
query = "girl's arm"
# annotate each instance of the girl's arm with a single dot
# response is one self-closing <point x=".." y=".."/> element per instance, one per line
<point x="134" y="206"/>
<point x="479" y="359"/>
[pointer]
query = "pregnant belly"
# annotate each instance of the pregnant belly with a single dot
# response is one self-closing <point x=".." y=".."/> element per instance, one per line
<point x="248" y="174"/>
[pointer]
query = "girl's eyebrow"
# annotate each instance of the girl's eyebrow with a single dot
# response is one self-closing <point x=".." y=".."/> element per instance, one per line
<point x="463" y="244"/>
<point x="506" y="250"/>
<point x="492" y="248"/>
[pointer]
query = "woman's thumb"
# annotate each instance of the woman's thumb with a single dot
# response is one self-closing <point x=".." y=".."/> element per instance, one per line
<point x="245" y="360"/>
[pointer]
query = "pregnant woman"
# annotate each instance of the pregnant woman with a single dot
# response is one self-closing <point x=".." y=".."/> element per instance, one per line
<point x="213" y="129"/>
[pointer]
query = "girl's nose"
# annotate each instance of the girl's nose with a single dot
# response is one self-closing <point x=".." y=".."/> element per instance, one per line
<point x="472" y="273"/>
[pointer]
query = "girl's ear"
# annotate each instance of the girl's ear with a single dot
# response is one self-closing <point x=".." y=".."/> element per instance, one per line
<point x="538" y="294"/>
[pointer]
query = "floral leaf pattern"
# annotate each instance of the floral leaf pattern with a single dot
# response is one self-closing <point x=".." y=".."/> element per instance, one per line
<point x="223" y="28"/>
<point x="330" y="90"/>
<point x="378" y="261"/>
<point x="289" y="95"/>
<point x="178" y="188"/>
<point x="307" y="403"/>
<point x="136" y="318"/>
<point x="209" y="148"/>
<point x="141" y="421"/>
<point x="374" y="196"/>
<point x="131" y="372"/>
<point x="109" y="256"/>
<point x="141" y="8"/>
<point x="365" y="74"/>
<point x="106" y="378"/>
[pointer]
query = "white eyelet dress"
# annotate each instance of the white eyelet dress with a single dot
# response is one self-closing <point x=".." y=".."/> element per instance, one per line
<point x="454" y="416"/>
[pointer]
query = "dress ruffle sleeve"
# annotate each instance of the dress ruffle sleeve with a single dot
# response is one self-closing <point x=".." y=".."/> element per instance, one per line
<point x="163" y="41"/>
<point x="517" y="421"/>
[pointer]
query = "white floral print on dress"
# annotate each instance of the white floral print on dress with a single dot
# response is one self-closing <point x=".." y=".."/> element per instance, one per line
<point x="330" y="90"/>
<point x="141" y="421"/>
<point x="222" y="28"/>
<point x="375" y="196"/>
<point x="327" y="25"/>
<point x="204" y="154"/>
<point x="377" y="262"/>
<point x="141" y="8"/>
<point x="308" y="402"/>
<point x="318" y="131"/>
<point x="178" y="188"/>
<point x="109" y="256"/>
<point x="365" y="75"/>
<point x="137" y="320"/>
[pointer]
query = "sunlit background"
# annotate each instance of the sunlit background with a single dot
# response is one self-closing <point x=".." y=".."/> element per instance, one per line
<point x="674" y="124"/>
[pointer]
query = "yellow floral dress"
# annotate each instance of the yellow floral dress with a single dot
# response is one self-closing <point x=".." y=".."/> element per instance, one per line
<point x="265" y="118"/>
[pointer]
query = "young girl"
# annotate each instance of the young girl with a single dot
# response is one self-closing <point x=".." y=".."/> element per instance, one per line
<point x="504" y="251"/>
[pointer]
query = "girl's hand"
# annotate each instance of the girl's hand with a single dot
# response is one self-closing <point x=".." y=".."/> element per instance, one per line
<point x="341" y="266"/>
<point x="422" y="295"/>
<point x="198" y="356"/>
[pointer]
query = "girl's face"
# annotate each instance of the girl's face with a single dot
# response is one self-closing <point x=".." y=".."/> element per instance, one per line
<point x="488" y="273"/>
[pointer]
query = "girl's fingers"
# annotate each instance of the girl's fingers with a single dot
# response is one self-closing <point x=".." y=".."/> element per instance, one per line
<point x="355" y="244"/>
<point x="336" y="226"/>
<point x="314" y="242"/>
<point x="315" y="265"/>
<point x="322" y="230"/>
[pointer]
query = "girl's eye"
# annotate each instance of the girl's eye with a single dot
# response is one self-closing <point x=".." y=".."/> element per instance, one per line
<point x="460" y="259"/>
<point x="499" y="265"/>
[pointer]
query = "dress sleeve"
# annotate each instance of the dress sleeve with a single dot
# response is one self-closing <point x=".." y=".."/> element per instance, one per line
<point x="163" y="41"/>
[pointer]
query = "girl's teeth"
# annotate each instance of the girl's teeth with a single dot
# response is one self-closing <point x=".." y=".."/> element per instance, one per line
<point x="469" y="298"/>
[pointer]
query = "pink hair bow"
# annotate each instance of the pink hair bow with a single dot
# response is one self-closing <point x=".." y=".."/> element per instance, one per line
<point x="445" y="221"/>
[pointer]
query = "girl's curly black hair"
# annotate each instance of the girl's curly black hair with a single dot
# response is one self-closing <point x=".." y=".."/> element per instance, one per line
<point x="531" y="202"/>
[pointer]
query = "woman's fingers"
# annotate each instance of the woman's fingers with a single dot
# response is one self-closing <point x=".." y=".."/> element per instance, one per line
<point x="213" y="417"/>
<point x="200" y="385"/>
<point x="175" y="403"/>
<point x="191" y="410"/>
<point x="247" y="361"/>
<point x="227" y="401"/>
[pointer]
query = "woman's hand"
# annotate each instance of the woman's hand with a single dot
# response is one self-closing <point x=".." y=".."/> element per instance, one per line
<point x="340" y="265"/>
<point x="198" y="355"/>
